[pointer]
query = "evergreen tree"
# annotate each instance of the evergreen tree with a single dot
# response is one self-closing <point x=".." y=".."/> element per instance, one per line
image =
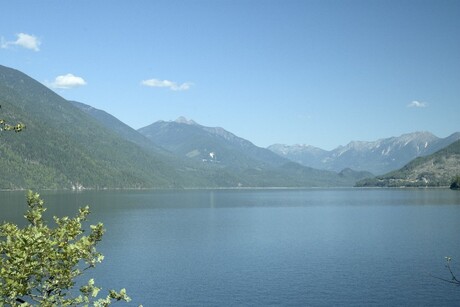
<point x="455" y="185"/>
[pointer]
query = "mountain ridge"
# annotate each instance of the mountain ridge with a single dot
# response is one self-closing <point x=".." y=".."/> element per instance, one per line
<point x="65" y="148"/>
<point x="71" y="145"/>
<point x="221" y="149"/>
<point x="198" y="142"/>
<point x="380" y="156"/>
<point x="117" y="126"/>
<point x="437" y="169"/>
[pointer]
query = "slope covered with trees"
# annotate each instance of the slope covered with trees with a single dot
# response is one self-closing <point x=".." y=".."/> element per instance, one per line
<point x="187" y="139"/>
<point x="438" y="169"/>
<point x="65" y="148"/>
<point x="69" y="145"/>
<point x="216" y="148"/>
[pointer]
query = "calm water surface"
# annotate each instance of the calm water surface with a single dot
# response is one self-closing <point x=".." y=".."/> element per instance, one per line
<point x="316" y="247"/>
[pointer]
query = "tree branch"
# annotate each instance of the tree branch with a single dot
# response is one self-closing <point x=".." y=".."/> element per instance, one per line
<point x="453" y="279"/>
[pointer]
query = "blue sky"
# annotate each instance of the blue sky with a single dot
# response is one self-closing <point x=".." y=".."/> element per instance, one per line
<point x="321" y="73"/>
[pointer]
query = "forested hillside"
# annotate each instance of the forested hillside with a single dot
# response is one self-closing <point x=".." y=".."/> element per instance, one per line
<point x="214" y="147"/>
<point x="188" y="139"/>
<point x="70" y="145"/>
<point x="62" y="147"/>
<point x="438" y="169"/>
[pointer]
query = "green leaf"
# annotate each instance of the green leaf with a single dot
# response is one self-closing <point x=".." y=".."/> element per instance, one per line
<point x="38" y="263"/>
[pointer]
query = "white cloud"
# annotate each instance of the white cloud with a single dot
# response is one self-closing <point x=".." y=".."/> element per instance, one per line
<point x="168" y="84"/>
<point x="67" y="81"/>
<point x="417" y="104"/>
<point x="24" y="40"/>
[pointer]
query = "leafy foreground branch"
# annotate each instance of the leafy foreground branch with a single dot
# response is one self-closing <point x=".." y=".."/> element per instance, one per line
<point x="39" y="264"/>
<point x="4" y="126"/>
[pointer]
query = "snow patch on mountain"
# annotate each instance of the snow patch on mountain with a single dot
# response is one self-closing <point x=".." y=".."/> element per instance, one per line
<point x="378" y="156"/>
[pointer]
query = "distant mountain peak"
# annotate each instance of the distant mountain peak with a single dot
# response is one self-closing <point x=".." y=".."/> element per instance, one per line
<point x="433" y="170"/>
<point x="378" y="157"/>
<point x="183" y="120"/>
<point x="418" y="135"/>
<point x="284" y="149"/>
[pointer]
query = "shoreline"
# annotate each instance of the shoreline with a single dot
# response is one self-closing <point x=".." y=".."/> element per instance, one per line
<point x="227" y="188"/>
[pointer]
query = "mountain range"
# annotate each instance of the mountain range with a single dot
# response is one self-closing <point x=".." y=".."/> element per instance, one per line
<point x="222" y="158"/>
<point x="377" y="157"/>
<point x="438" y="169"/>
<point x="63" y="147"/>
<point x="71" y="145"/>
<point x="216" y="148"/>
<point x="214" y="145"/>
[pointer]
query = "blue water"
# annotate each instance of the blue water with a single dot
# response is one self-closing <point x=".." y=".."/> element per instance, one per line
<point x="317" y="247"/>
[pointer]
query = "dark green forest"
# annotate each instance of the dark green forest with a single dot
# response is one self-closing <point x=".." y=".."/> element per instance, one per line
<point x="70" y="146"/>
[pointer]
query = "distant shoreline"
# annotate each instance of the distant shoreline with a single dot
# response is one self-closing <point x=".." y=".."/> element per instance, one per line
<point x="230" y="189"/>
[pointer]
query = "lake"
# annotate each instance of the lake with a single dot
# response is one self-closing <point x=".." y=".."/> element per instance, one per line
<point x="313" y="247"/>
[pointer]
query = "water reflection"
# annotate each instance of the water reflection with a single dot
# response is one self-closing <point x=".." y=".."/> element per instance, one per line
<point x="265" y="247"/>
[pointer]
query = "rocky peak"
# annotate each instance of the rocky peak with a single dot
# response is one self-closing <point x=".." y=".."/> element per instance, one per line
<point x="183" y="120"/>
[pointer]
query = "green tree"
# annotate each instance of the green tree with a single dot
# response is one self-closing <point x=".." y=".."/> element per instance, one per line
<point x="455" y="185"/>
<point x="39" y="264"/>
